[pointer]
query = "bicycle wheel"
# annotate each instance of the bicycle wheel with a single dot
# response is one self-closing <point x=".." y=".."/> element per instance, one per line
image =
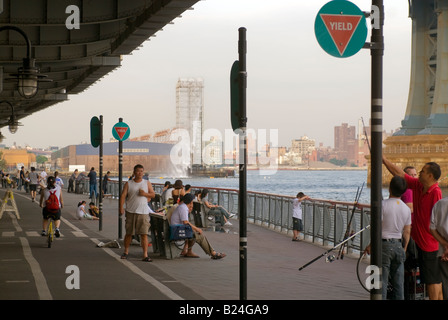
<point x="50" y="233"/>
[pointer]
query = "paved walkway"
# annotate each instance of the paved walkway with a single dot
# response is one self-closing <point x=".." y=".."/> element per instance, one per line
<point x="30" y="270"/>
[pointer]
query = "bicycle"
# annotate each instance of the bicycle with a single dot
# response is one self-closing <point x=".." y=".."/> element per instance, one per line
<point x="50" y="230"/>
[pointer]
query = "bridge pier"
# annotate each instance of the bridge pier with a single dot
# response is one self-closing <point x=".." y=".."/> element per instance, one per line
<point x="423" y="136"/>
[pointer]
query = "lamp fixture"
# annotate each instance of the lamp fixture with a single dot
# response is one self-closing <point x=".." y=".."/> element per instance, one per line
<point x="28" y="75"/>
<point x="13" y="123"/>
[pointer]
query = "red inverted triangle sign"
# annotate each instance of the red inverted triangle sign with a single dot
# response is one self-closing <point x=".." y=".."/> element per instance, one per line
<point x="121" y="131"/>
<point x="341" y="28"/>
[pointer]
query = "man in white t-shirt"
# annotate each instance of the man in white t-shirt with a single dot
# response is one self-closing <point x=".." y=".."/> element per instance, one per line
<point x="396" y="227"/>
<point x="180" y="216"/>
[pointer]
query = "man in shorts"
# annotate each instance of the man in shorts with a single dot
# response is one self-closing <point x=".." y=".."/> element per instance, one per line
<point x="34" y="181"/>
<point x="426" y="193"/>
<point x="135" y="195"/>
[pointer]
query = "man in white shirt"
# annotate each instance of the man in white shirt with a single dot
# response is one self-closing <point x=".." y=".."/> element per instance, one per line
<point x="180" y="216"/>
<point x="396" y="227"/>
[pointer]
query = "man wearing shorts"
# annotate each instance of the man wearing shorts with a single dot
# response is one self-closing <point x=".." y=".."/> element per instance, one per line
<point x="426" y="193"/>
<point x="34" y="181"/>
<point x="135" y="195"/>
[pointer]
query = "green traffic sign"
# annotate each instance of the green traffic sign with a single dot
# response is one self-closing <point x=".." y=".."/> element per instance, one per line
<point x="340" y="28"/>
<point x="121" y="131"/>
<point x="95" y="132"/>
<point x="235" y="96"/>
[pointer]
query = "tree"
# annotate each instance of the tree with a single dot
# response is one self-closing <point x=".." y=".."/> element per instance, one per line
<point x="41" y="159"/>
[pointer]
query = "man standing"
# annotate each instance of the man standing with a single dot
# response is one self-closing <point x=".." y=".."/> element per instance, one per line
<point x="136" y="194"/>
<point x="21" y="178"/>
<point x="93" y="189"/>
<point x="396" y="226"/>
<point x="34" y="181"/>
<point x="426" y="192"/>
<point x="439" y="229"/>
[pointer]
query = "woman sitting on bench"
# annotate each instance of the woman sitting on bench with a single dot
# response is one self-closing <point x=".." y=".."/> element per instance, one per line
<point x="221" y="214"/>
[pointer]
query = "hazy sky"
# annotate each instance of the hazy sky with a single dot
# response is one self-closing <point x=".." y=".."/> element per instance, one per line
<point x="293" y="85"/>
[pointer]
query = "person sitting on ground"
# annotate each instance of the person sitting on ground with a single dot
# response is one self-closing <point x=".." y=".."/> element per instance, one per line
<point x="93" y="210"/>
<point x="81" y="212"/>
<point x="180" y="216"/>
<point x="221" y="214"/>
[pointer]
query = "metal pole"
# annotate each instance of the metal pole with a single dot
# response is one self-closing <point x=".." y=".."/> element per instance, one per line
<point x="100" y="225"/>
<point x="120" y="179"/>
<point x="242" y="199"/>
<point x="377" y="51"/>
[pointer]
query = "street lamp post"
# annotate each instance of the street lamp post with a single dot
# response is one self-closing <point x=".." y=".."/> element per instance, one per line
<point x="28" y="75"/>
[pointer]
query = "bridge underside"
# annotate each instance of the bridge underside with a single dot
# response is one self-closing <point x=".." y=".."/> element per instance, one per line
<point x="74" y="58"/>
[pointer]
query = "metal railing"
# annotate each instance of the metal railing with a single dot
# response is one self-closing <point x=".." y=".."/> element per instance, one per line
<point x="325" y="221"/>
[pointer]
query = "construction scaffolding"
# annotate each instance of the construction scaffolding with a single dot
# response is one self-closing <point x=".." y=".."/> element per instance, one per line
<point x="189" y="114"/>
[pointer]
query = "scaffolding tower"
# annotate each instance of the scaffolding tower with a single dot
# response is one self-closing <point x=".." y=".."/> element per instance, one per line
<point x="189" y="114"/>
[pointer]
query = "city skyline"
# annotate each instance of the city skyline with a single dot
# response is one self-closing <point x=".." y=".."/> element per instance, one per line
<point x="292" y="83"/>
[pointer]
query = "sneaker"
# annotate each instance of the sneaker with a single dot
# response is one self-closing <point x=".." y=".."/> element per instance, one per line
<point x="210" y="218"/>
<point x="43" y="233"/>
<point x="231" y="215"/>
<point x="227" y="223"/>
<point x="57" y="233"/>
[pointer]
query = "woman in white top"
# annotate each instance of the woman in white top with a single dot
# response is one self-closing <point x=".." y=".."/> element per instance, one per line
<point x="81" y="212"/>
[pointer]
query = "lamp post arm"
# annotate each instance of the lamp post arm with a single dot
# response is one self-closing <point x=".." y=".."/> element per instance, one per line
<point x="28" y="42"/>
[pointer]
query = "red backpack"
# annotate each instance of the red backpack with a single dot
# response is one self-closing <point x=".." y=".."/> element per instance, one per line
<point x="52" y="202"/>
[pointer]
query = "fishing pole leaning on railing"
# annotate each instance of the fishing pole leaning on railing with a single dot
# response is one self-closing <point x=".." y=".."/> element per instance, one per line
<point x="335" y="247"/>
<point x="347" y="231"/>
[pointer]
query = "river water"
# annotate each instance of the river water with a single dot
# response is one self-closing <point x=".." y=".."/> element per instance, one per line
<point x="338" y="185"/>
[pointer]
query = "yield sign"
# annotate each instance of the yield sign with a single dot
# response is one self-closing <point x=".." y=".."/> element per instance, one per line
<point x="121" y="131"/>
<point x="340" y="28"/>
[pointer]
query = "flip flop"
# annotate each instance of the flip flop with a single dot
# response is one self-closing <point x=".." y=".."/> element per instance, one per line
<point x="124" y="256"/>
<point x="218" y="256"/>
<point x="147" y="259"/>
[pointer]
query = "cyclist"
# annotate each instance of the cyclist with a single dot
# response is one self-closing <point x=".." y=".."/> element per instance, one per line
<point x="47" y="202"/>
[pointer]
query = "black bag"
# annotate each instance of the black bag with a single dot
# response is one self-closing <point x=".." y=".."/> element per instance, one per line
<point x="181" y="232"/>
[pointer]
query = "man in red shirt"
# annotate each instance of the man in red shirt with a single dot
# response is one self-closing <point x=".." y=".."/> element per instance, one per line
<point x="426" y="192"/>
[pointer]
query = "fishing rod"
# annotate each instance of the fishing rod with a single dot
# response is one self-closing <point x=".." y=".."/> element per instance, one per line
<point x="330" y="259"/>
<point x="365" y="133"/>
<point x="358" y="195"/>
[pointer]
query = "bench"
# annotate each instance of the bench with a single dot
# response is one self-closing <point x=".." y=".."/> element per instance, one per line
<point x="160" y="235"/>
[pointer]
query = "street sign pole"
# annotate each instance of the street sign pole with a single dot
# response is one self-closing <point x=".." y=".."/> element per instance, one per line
<point x="100" y="195"/>
<point x="377" y="52"/>
<point x="242" y="199"/>
<point x="120" y="179"/>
